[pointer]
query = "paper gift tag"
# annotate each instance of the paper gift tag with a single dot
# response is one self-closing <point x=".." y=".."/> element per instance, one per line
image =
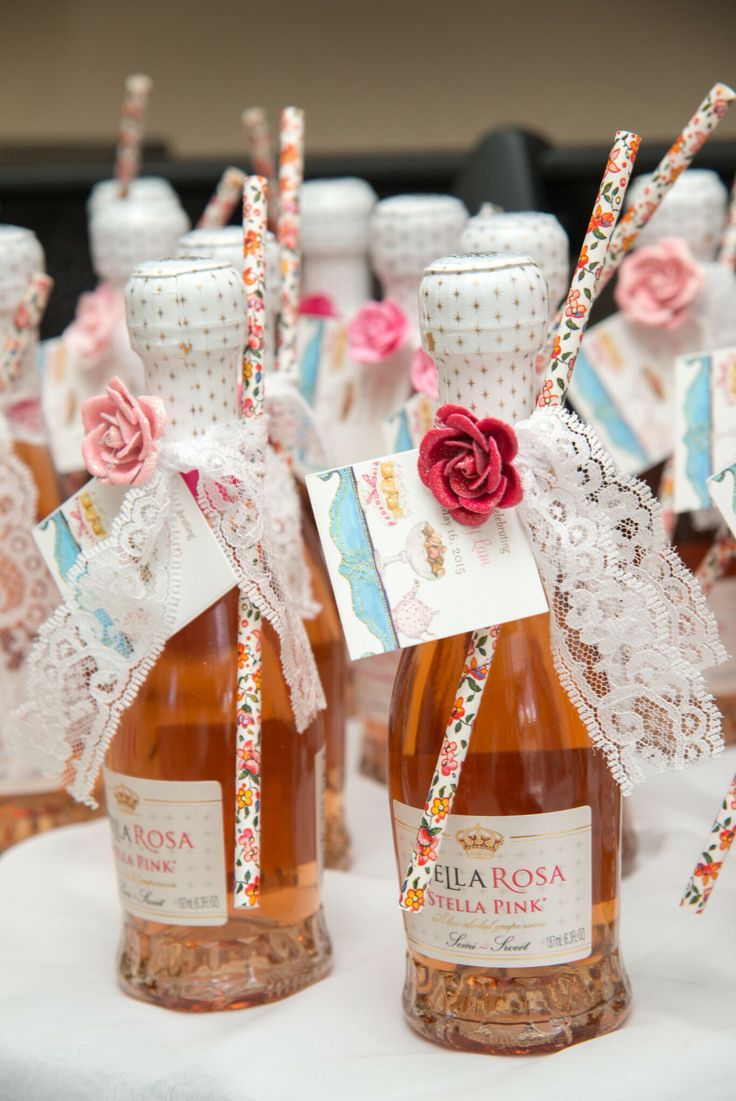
<point x="722" y="488"/>
<point x="705" y="423"/>
<point x="403" y="571"/>
<point x="407" y="427"/>
<point x="87" y="516"/>
<point x="623" y="385"/>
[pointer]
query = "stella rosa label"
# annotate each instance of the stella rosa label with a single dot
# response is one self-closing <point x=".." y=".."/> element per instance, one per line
<point x="169" y="852"/>
<point x="513" y="891"/>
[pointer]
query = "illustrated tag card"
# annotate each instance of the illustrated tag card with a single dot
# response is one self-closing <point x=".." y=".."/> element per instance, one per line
<point x="87" y="517"/>
<point x="722" y="488"/>
<point x="623" y="385"/>
<point x="705" y="423"/>
<point x="403" y="571"/>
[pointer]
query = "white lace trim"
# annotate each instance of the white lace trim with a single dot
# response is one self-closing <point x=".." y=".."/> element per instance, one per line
<point x="27" y="592"/>
<point x="95" y="652"/>
<point x="631" y="631"/>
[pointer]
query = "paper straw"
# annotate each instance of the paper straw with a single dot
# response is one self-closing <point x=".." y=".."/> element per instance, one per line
<point x="26" y="319"/>
<point x="677" y="158"/>
<point x="138" y="90"/>
<point x="260" y="150"/>
<point x="225" y="199"/>
<point x="291" y="174"/>
<point x="248" y="700"/>
<point x="586" y="281"/>
<point x="258" y="138"/>
<point x="441" y="795"/>
<point x="717" y="560"/>
<point x="727" y="253"/>
<point x="714" y="852"/>
<point x="482" y="644"/>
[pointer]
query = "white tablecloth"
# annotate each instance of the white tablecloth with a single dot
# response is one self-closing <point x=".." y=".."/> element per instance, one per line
<point x="68" y="1034"/>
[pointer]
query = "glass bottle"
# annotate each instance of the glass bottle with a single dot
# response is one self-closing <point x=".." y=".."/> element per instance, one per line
<point x="323" y="629"/>
<point x="407" y="232"/>
<point x="334" y="238"/>
<point x="528" y="233"/>
<point x="28" y="803"/>
<point x="172" y="762"/>
<point x="95" y="347"/>
<point x="516" y="950"/>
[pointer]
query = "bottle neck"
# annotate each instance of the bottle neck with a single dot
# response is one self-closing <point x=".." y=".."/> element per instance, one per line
<point x="502" y="386"/>
<point x="346" y="279"/>
<point x="26" y="382"/>
<point x="405" y="291"/>
<point x="198" y="389"/>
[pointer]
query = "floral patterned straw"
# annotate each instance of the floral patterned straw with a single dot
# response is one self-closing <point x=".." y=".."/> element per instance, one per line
<point x="248" y="699"/>
<point x="291" y="174"/>
<point x="720" y="839"/>
<point x="225" y="199"/>
<point x="586" y="281"/>
<point x="260" y="148"/>
<point x="138" y="90"/>
<point x="727" y="253"/>
<point x="26" y="318"/>
<point x="482" y="644"/>
<point x="677" y="158"/>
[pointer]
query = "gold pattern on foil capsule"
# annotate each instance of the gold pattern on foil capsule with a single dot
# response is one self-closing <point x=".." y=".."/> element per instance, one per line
<point x="479" y="842"/>
<point x="430" y="341"/>
<point x="92" y="516"/>
<point x="125" y="798"/>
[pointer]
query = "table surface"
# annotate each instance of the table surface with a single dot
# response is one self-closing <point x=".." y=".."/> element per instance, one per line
<point x="68" y="1034"/>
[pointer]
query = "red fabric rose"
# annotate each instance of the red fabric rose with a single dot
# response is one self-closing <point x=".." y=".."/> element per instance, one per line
<point x="467" y="464"/>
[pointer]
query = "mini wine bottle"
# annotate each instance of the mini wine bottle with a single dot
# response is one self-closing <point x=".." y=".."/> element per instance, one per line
<point x="516" y="949"/>
<point x="172" y="763"/>
<point x="28" y="803"/>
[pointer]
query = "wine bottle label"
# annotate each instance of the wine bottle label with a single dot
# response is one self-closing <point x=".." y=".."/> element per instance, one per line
<point x="169" y="850"/>
<point x="512" y="891"/>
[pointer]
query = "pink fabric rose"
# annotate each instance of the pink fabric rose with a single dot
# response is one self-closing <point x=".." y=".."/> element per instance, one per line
<point x="658" y="284"/>
<point x="317" y="305"/>
<point x="467" y="464"/>
<point x="424" y="374"/>
<point x="91" y="333"/>
<point x="121" y="432"/>
<point x="377" y="331"/>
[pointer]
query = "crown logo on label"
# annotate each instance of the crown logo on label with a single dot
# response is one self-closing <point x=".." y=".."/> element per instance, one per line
<point x="126" y="799"/>
<point x="479" y="842"/>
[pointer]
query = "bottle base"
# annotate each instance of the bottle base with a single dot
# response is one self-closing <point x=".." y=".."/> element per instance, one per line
<point x="182" y="968"/>
<point x="338" y="850"/>
<point x="471" y="1010"/>
<point x="23" y="816"/>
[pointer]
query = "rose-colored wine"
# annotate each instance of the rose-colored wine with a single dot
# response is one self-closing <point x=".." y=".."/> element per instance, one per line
<point x="516" y="948"/>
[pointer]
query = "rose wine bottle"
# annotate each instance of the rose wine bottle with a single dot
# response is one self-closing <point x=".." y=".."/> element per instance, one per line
<point x="334" y="238"/>
<point x="28" y="803"/>
<point x="407" y="232"/>
<point x="323" y="629"/>
<point x="95" y="347"/>
<point x="695" y="210"/>
<point x="170" y="774"/>
<point x="516" y="948"/>
<point x="528" y="233"/>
